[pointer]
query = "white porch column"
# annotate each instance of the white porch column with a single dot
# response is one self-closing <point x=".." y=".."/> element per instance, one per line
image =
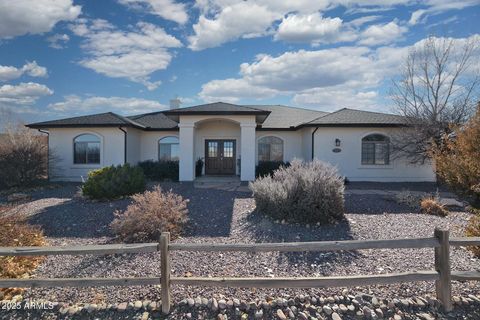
<point x="247" y="151"/>
<point x="186" y="165"/>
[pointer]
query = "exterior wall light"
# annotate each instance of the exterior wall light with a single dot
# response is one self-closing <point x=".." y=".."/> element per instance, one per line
<point x="337" y="142"/>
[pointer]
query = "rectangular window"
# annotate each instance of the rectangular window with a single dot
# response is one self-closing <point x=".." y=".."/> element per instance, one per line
<point x="375" y="153"/>
<point x="228" y="149"/>
<point x="212" y="149"/>
<point x="86" y="153"/>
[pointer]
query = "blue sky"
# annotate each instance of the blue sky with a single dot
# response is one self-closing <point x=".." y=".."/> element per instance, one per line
<point x="64" y="58"/>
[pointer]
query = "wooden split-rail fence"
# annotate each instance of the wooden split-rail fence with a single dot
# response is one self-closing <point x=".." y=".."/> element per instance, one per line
<point x="442" y="275"/>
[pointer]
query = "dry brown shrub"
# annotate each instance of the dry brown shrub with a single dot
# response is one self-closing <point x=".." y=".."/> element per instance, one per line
<point x="473" y="230"/>
<point x="15" y="232"/>
<point x="457" y="159"/>
<point x="23" y="157"/>
<point x="432" y="207"/>
<point x="151" y="213"/>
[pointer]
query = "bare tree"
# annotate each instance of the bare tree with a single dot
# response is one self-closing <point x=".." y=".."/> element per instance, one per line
<point x="436" y="91"/>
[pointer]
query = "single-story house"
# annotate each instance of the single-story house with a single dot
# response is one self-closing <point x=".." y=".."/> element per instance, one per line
<point x="232" y="139"/>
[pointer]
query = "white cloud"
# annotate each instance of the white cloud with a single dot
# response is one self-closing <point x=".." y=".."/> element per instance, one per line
<point x="438" y="6"/>
<point x="58" y="41"/>
<point x="358" y="22"/>
<point x="21" y="17"/>
<point x="331" y="99"/>
<point x="133" y="54"/>
<point x="382" y="34"/>
<point x="74" y="104"/>
<point x="240" y="20"/>
<point x="30" y="68"/>
<point x="328" y="78"/>
<point x="232" y="90"/>
<point x="312" y="28"/>
<point x="167" y="9"/>
<point x="301" y="70"/>
<point x="23" y="94"/>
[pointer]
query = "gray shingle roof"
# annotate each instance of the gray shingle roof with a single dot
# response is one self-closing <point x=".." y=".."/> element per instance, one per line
<point x="351" y="117"/>
<point x="155" y="121"/>
<point x="217" y="108"/>
<point x="269" y="116"/>
<point x="286" y="117"/>
<point x="107" y="119"/>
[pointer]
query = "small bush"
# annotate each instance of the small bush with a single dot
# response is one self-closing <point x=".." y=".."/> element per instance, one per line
<point x="23" y="157"/>
<point x="266" y="168"/>
<point x="114" y="182"/>
<point x="432" y="207"/>
<point x="15" y="232"/>
<point x="160" y="170"/>
<point x="303" y="192"/>
<point x="411" y="199"/>
<point x="473" y="230"/>
<point x="151" y="213"/>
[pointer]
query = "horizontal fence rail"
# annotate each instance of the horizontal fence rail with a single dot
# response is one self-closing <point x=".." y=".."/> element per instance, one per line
<point x="442" y="275"/>
<point x="100" y="249"/>
<point x="311" y="246"/>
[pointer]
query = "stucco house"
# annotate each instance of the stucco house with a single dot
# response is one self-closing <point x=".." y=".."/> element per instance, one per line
<point x="232" y="139"/>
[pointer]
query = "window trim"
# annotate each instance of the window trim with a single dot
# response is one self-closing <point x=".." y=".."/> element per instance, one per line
<point x="389" y="165"/>
<point x="266" y="136"/>
<point x="158" y="147"/>
<point x="87" y="165"/>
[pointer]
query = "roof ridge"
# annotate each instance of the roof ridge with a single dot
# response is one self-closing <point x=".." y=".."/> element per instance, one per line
<point x="126" y="119"/>
<point x="390" y="114"/>
<point x="326" y="115"/>
<point x="284" y="106"/>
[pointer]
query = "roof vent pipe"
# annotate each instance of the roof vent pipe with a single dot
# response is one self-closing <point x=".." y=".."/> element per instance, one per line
<point x="175" y="103"/>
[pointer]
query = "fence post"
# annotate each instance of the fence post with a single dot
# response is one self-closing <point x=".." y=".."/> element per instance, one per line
<point x="165" y="272"/>
<point x="442" y="266"/>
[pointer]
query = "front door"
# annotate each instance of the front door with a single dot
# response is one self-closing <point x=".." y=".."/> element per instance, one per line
<point x="220" y="157"/>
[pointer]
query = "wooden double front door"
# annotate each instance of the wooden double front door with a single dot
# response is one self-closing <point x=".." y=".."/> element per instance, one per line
<point x="220" y="157"/>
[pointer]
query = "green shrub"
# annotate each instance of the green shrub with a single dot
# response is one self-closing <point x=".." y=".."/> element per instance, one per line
<point x="266" y="168"/>
<point x="160" y="170"/>
<point x="114" y="182"/>
<point x="310" y="192"/>
<point x="150" y="214"/>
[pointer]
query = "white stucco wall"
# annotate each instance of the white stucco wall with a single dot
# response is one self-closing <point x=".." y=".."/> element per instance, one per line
<point x="149" y="143"/>
<point x="61" y="145"/>
<point x="348" y="161"/>
<point x="216" y="129"/>
<point x="195" y="129"/>
<point x="134" y="137"/>
<point x="293" y="144"/>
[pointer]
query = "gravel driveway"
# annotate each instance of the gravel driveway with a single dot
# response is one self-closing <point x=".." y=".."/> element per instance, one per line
<point x="224" y="216"/>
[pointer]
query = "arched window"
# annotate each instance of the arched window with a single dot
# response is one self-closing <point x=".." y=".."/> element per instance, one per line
<point x="270" y="149"/>
<point x="376" y="149"/>
<point x="168" y="149"/>
<point x="86" y="149"/>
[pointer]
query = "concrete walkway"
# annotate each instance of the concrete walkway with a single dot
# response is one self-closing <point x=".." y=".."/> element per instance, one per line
<point x="225" y="183"/>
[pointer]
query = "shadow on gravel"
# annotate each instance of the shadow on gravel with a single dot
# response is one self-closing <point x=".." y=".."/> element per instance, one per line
<point x="210" y="210"/>
<point x="265" y="230"/>
<point x="78" y="218"/>
<point x="373" y="204"/>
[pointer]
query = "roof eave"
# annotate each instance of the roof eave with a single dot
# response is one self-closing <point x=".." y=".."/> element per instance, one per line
<point x="359" y="125"/>
<point x="104" y="125"/>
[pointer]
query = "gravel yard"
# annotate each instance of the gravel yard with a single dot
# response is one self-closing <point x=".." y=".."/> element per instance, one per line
<point x="225" y="216"/>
